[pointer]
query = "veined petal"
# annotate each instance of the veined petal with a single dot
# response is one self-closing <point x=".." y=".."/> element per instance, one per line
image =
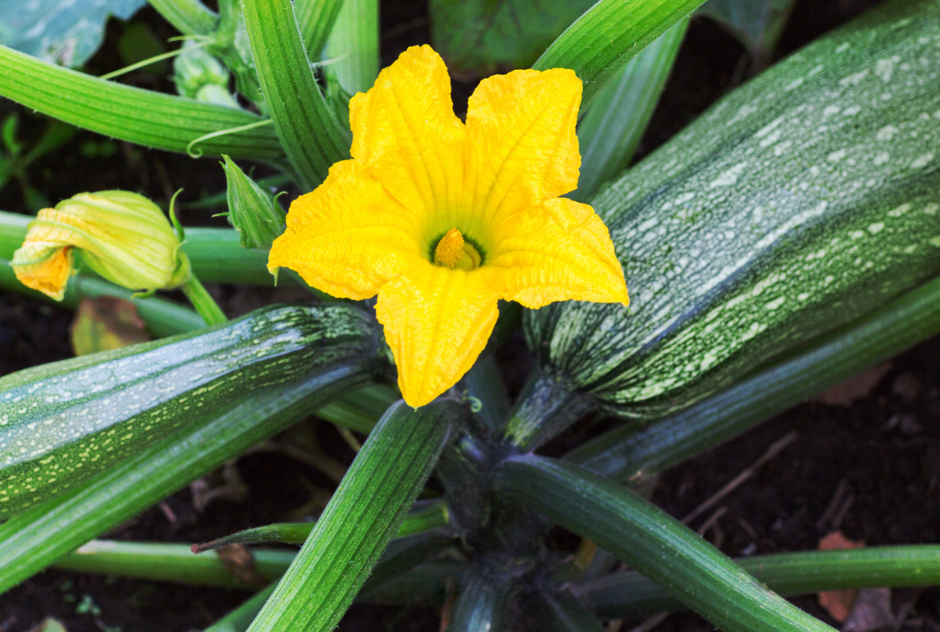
<point x="522" y="144"/>
<point x="437" y="322"/>
<point x="45" y="267"/>
<point x="562" y="253"/>
<point x="406" y="134"/>
<point x="349" y="236"/>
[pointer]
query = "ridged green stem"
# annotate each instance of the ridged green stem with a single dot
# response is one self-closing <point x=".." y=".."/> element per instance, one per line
<point x="353" y="47"/>
<point x="32" y="540"/>
<point x="652" y="541"/>
<point x="360" y="519"/>
<point x="163" y="318"/>
<point x="545" y="408"/>
<point x="189" y="17"/>
<point x="316" y="19"/>
<point x="214" y="253"/>
<point x="308" y="130"/>
<point x="429" y="516"/>
<point x="485" y="383"/>
<point x="612" y="128"/>
<point x="608" y="35"/>
<point x="163" y="562"/>
<point x="902" y="323"/>
<point x="203" y="302"/>
<point x="241" y="617"/>
<point x="482" y="603"/>
<point x="158" y="561"/>
<point x="562" y="612"/>
<point x="630" y="595"/>
<point x="145" y="117"/>
<point x="360" y="410"/>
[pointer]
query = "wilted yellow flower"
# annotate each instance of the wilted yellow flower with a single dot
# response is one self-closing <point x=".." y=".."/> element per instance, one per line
<point x="122" y="236"/>
<point x="441" y="219"/>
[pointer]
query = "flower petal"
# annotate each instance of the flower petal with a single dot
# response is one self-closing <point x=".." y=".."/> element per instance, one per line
<point x="349" y="236"/>
<point x="523" y="147"/>
<point x="562" y="253"/>
<point x="437" y="322"/>
<point x="44" y="266"/>
<point x="406" y="134"/>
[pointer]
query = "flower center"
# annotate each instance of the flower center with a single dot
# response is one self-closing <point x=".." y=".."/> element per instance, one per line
<point x="453" y="252"/>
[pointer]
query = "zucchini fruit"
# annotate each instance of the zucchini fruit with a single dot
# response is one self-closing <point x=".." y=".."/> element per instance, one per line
<point x="63" y="422"/>
<point x="803" y="200"/>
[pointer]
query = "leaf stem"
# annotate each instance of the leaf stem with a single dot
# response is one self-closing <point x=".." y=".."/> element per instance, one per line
<point x="203" y="302"/>
<point x="652" y="541"/>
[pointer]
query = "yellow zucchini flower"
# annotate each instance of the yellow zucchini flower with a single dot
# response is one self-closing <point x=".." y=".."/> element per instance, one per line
<point x="442" y="219"/>
<point x="122" y="236"/>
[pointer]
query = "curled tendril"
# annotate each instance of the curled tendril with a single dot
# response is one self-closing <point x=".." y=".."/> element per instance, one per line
<point x="196" y="153"/>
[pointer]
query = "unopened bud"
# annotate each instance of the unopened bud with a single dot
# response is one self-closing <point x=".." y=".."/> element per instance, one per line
<point x="122" y="236"/>
<point x="253" y="212"/>
<point x="199" y="75"/>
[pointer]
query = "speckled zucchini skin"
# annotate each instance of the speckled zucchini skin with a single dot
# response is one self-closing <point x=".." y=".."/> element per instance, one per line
<point x="801" y="201"/>
<point x="62" y="422"/>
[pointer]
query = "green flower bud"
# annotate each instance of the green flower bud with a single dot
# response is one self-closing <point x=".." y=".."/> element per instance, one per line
<point x="199" y="75"/>
<point x="253" y="212"/>
<point x="122" y="236"/>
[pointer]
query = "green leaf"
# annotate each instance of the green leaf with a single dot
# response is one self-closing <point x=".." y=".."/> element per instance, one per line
<point x="653" y="542"/>
<point x="309" y="133"/>
<point x="483" y="36"/>
<point x="621" y="453"/>
<point x="758" y="24"/>
<point x="65" y="32"/>
<point x="360" y="519"/>
<point x="189" y="17"/>
<point x="35" y="538"/>
<point x="612" y="128"/>
<point x="603" y="40"/>
<point x="140" y="116"/>
<point x="631" y="595"/>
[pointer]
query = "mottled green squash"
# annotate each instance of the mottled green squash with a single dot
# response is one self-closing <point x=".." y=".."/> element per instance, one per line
<point x="62" y="422"/>
<point x="801" y="201"/>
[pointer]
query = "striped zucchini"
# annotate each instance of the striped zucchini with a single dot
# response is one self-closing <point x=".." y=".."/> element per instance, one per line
<point x="799" y="202"/>
<point x="62" y="422"/>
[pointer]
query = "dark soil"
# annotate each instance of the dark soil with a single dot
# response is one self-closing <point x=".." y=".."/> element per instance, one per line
<point x="881" y="454"/>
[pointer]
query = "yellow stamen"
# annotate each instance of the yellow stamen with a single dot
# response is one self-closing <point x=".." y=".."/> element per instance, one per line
<point x="453" y="252"/>
<point x="450" y="249"/>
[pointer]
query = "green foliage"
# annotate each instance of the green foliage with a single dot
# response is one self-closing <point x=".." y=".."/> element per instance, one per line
<point x="308" y="130"/>
<point x="757" y="23"/>
<point x="139" y="116"/>
<point x="802" y="203"/>
<point x="603" y="40"/>
<point x="361" y="518"/>
<point x="651" y="541"/>
<point x="65" y="32"/>
<point x="483" y="36"/>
